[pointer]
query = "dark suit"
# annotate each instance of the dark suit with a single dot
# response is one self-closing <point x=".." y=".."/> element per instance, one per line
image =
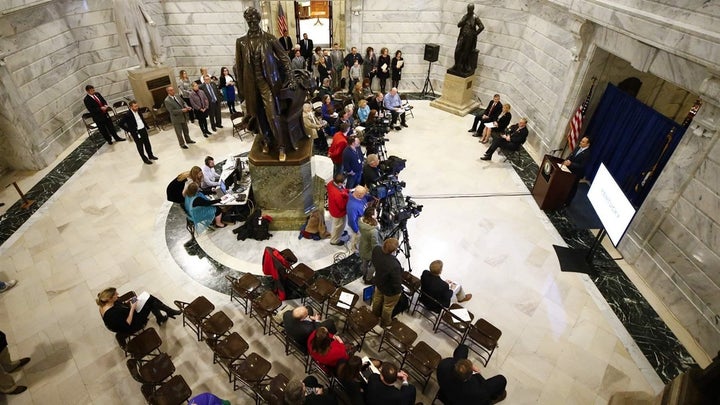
<point x="306" y="50"/>
<point x="213" y="111"/>
<point x="100" y="117"/>
<point x="378" y="392"/>
<point x="436" y="288"/>
<point x="577" y="167"/>
<point x="517" y="138"/>
<point x="140" y="136"/>
<point x="475" y="390"/>
<point x="493" y="112"/>
<point x="299" y="330"/>
<point x="287" y="43"/>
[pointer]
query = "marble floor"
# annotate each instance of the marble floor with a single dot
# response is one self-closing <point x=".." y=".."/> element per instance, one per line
<point x="105" y="226"/>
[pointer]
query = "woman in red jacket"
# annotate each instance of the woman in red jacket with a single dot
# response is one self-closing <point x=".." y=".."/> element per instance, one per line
<point x="326" y="349"/>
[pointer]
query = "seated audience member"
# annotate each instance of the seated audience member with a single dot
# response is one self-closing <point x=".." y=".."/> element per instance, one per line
<point x="369" y="238"/>
<point x="366" y="90"/>
<point x="121" y="317"/>
<point x="500" y="124"/>
<point x="315" y="225"/>
<point x="352" y="161"/>
<point x="357" y="93"/>
<point x="516" y="136"/>
<point x="307" y="392"/>
<point x="327" y="110"/>
<point x="371" y="172"/>
<point x="490" y="114"/>
<point x="337" y="147"/>
<point x="461" y="382"/>
<point x="348" y="375"/>
<point x="176" y="187"/>
<point x="211" y="178"/>
<point x="312" y="125"/>
<point x="392" y="103"/>
<point x="327" y="349"/>
<point x="200" y="208"/>
<point x="376" y="103"/>
<point x="438" y="289"/>
<point x="363" y="111"/>
<point x="300" y="322"/>
<point x="381" y="388"/>
<point x="325" y="88"/>
<point x="346" y="118"/>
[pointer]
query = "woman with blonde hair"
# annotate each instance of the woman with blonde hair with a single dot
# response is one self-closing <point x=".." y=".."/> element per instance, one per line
<point x="176" y="187"/>
<point x="124" y="318"/>
<point x="200" y="208"/>
<point x="500" y="125"/>
<point x="363" y="110"/>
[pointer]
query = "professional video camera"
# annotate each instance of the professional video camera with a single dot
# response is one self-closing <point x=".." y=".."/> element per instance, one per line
<point x="374" y="140"/>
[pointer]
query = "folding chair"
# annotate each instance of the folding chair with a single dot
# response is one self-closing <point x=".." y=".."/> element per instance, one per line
<point x="243" y="289"/>
<point x="421" y="360"/>
<point x="194" y="313"/>
<point x="227" y="352"/>
<point x="482" y="338"/>
<point x="406" y="106"/>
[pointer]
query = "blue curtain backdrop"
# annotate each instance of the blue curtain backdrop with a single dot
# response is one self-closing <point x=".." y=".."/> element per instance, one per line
<point x="629" y="138"/>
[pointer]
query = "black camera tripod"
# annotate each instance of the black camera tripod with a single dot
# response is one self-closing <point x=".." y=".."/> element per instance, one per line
<point x="404" y="237"/>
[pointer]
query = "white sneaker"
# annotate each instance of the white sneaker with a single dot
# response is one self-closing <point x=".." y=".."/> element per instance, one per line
<point x="8" y="285"/>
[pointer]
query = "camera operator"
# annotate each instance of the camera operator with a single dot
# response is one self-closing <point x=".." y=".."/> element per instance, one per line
<point x="371" y="172"/>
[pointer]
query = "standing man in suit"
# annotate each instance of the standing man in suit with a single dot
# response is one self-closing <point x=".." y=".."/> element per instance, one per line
<point x="98" y="108"/>
<point x="178" y="110"/>
<point x="576" y="163"/>
<point x="381" y="388"/>
<point x="512" y="140"/>
<point x="461" y="382"/>
<point x="286" y="41"/>
<point x="491" y="114"/>
<point x="134" y="123"/>
<point x="306" y="50"/>
<point x="213" y="96"/>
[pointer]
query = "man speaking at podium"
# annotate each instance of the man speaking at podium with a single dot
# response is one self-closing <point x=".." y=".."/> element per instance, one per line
<point x="576" y="164"/>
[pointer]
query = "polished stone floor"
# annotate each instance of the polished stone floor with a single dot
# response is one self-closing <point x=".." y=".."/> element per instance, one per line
<point x="107" y="225"/>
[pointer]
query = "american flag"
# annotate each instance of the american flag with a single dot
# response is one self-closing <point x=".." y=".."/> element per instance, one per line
<point x="577" y="121"/>
<point x="282" y="20"/>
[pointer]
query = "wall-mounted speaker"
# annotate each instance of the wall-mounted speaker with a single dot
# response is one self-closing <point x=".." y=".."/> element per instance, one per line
<point x="432" y="51"/>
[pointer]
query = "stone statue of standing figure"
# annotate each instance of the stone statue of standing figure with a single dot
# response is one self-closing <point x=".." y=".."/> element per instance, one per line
<point x="465" y="52"/>
<point x="138" y="33"/>
<point x="273" y="93"/>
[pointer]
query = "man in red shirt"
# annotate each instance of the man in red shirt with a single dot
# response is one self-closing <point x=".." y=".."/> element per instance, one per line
<point x="337" y="147"/>
<point x="337" y="205"/>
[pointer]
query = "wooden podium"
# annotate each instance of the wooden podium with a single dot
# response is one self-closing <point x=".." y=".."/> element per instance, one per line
<point x="552" y="184"/>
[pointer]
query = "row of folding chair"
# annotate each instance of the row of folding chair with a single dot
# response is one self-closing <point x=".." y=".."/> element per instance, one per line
<point x="248" y="373"/>
<point x="480" y="336"/>
<point x="154" y="370"/>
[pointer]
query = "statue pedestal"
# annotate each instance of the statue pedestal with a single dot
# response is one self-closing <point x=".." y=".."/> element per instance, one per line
<point x="283" y="190"/>
<point x="457" y="96"/>
<point x="149" y="84"/>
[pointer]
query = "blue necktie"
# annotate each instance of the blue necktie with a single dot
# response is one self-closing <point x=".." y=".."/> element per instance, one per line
<point x="211" y="92"/>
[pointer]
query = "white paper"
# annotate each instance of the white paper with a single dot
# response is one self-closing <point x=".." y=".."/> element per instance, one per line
<point x="461" y="313"/>
<point x="400" y="63"/>
<point x="490" y="125"/>
<point x="141" y="300"/>
<point x="366" y="360"/>
<point x="563" y="167"/>
<point x="346" y="298"/>
<point x="384" y="67"/>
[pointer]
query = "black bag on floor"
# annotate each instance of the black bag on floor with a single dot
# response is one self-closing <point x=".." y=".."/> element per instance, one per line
<point x="402" y="305"/>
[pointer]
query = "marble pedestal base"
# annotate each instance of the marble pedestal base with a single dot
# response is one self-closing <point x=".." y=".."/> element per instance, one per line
<point x="283" y="190"/>
<point x="149" y="84"/>
<point x="457" y="96"/>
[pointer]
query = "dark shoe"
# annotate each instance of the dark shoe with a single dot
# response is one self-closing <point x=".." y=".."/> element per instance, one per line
<point x="398" y="128"/>
<point x="147" y="161"/>
<point x="109" y="142"/>
<point x="213" y="130"/>
<point x="476" y="135"/>
<point x="404" y="125"/>
<point x="205" y="135"/>
<point x="472" y="130"/>
<point x="191" y="141"/>
<point x="499" y="398"/>
<point x="220" y="126"/>
<point x="184" y="146"/>
<point x="368" y="282"/>
<point x="161" y="320"/>
<point x="172" y="313"/>
<point x="120" y="140"/>
<point x="23" y="361"/>
<point x="153" y="157"/>
<point x="18" y="390"/>
<point x="486" y="157"/>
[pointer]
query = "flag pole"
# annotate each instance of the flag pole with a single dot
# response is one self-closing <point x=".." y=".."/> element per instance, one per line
<point x="577" y="119"/>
